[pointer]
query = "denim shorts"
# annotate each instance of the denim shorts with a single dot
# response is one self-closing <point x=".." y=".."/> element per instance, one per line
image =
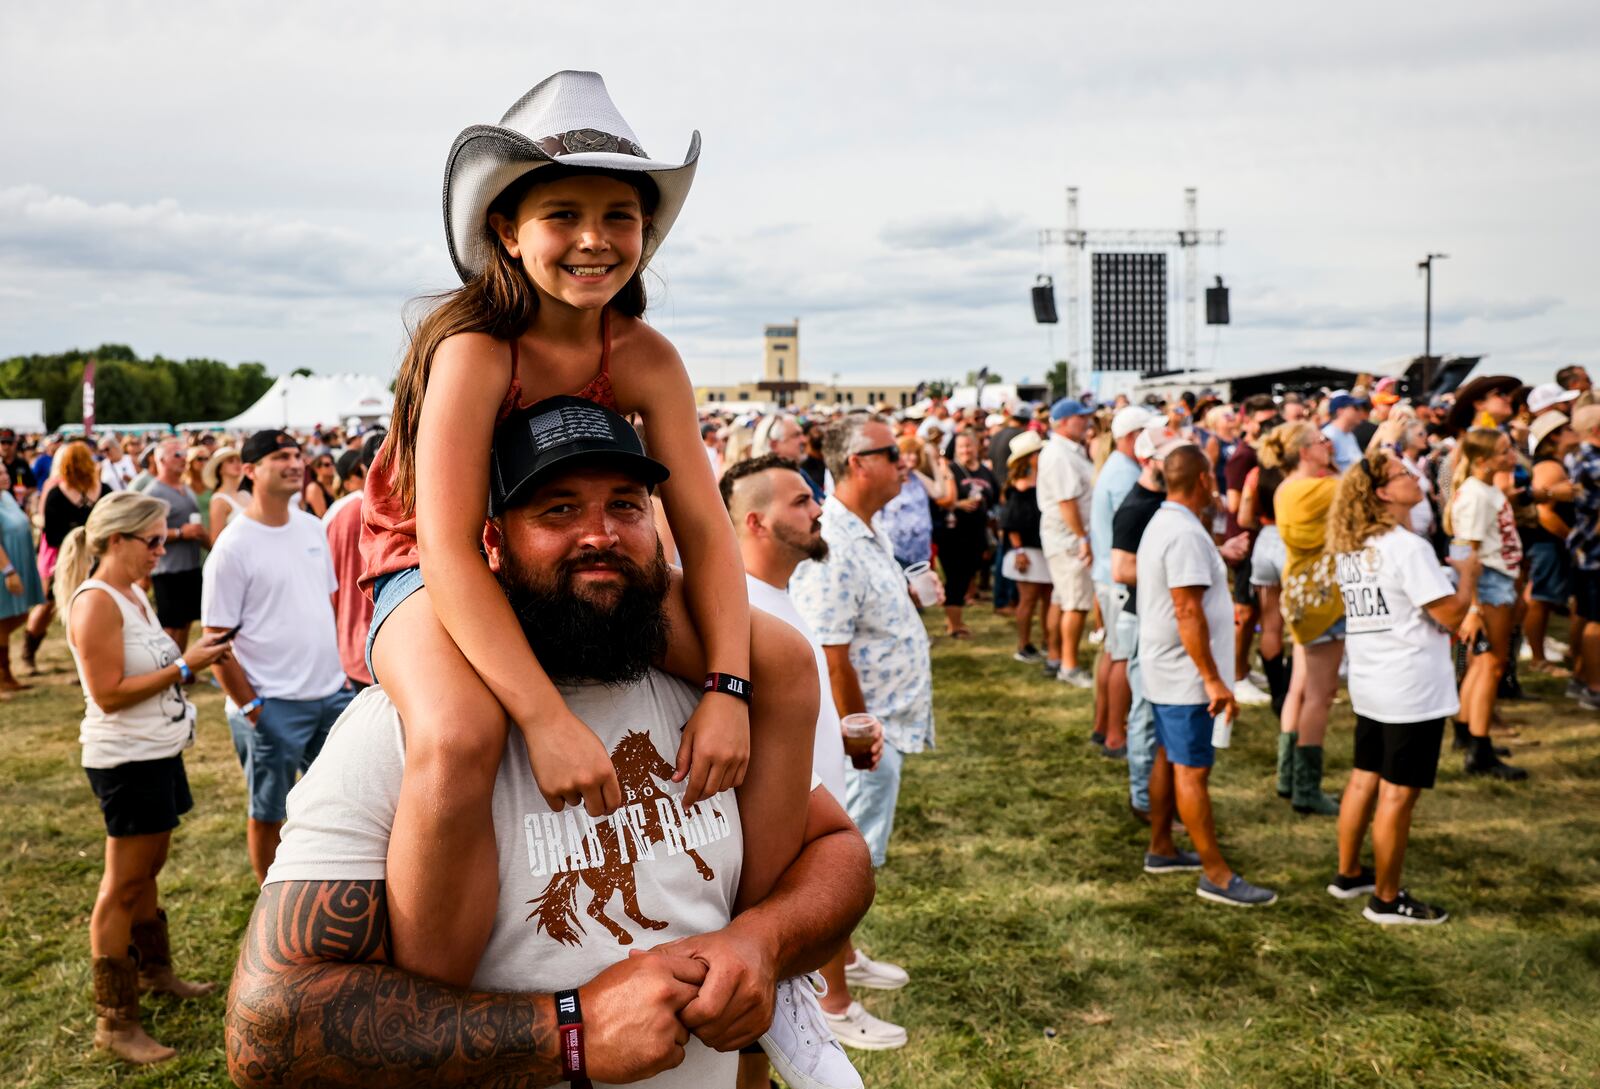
<point x="1496" y="588"/>
<point x="388" y="591"/>
<point x="1268" y="558"/>
<point x="1335" y="631"/>
<point x="280" y="745"/>
<point x="1547" y="572"/>
<point x="1184" y="730"/>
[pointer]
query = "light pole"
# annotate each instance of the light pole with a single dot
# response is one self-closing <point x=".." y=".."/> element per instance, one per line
<point x="1426" y="265"/>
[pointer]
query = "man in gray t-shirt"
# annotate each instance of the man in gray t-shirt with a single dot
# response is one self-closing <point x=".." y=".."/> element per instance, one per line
<point x="176" y="579"/>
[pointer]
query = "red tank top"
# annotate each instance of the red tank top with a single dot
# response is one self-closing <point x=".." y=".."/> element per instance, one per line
<point x="389" y="531"/>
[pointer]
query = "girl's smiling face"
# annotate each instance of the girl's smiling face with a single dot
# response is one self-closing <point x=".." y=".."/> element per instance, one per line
<point x="579" y="239"/>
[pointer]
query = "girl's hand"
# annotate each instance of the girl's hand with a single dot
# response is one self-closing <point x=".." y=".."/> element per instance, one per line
<point x="210" y="650"/>
<point x="1470" y="627"/>
<point x="715" y="750"/>
<point x="571" y="765"/>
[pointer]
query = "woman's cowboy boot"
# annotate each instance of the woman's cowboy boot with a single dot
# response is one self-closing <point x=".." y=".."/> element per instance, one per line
<point x="1308" y="796"/>
<point x="30" y="650"/>
<point x="1286" y="746"/>
<point x="155" y="961"/>
<point x="116" y="1007"/>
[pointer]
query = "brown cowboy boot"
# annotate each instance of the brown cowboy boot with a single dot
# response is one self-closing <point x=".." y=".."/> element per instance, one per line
<point x="116" y="1006"/>
<point x="30" y="651"/>
<point x="155" y="961"/>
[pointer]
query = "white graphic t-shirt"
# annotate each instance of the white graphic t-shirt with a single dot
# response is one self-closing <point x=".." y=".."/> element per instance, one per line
<point x="576" y="894"/>
<point x="1480" y="512"/>
<point x="1400" y="667"/>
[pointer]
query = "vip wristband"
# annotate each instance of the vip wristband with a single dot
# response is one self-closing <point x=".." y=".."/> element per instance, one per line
<point x="569" y="1025"/>
<point x="727" y="683"/>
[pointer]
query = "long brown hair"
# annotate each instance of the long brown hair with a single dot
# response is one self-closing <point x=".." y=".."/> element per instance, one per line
<point x="499" y="301"/>
<point x="74" y="465"/>
<point x="1359" y="512"/>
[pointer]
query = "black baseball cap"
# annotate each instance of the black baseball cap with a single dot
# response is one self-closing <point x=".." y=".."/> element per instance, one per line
<point x="347" y="462"/>
<point x="262" y="443"/>
<point x="560" y="434"/>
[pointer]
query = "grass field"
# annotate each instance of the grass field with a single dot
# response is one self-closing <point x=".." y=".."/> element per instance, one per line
<point x="1041" y="956"/>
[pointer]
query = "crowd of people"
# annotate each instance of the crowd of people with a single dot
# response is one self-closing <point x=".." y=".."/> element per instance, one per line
<point x="486" y="758"/>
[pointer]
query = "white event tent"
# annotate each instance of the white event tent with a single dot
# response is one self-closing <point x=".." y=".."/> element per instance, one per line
<point x="23" y="414"/>
<point x="304" y="401"/>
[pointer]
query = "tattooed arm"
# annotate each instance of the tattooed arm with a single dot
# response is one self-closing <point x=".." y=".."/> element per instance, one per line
<point x="315" y="1002"/>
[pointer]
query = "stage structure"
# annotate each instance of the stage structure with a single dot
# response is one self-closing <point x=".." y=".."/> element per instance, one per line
<point x="1129" y="292"/>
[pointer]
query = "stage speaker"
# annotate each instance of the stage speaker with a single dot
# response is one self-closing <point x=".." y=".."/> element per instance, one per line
<point x="1044" y="301"/>
<point x="1217" y="304"/>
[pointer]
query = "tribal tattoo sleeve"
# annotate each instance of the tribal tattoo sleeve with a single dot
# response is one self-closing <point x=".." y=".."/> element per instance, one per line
<point x="315" y="1002"/>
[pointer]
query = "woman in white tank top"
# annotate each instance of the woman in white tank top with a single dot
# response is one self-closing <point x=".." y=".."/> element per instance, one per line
<point x="136" y="724"/>
<point x="223" y="475"/>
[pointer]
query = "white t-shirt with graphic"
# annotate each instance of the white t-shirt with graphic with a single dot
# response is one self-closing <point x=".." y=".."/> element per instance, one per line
<point x="576" y="894"/>
<point x="1400" y="666"/>
<point x="1480" y="512"/>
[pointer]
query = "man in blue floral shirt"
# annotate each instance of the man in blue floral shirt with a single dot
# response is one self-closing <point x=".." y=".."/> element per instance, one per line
<point x="1584" y="541"/>
<point x="861" y="610"/>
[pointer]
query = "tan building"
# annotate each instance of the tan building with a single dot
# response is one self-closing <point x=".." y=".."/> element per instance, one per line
<point x="782" y="384"/>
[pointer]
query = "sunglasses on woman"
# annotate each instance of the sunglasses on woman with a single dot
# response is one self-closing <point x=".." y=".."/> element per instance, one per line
<point x="152" y="543"/>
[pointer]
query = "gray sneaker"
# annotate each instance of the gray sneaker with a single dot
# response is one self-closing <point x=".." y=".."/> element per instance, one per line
<point x="1589" y="700"/>
<point x="1077" y="678"/>
<point x="1052" y="666"/>
<point x="1182" y="862"/>
<point x="1239" y="893"/>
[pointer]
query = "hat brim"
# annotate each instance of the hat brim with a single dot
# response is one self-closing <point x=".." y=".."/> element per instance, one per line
<point x="1460" y="418"/>
<point x="647" y="470"/>
<point x="485" y="159"/>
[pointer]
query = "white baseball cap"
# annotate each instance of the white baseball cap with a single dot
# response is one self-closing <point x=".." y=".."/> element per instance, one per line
<point x="1130" y="419"/>
<point x="1157" y="441"/>
<point x="1548" y="395"/>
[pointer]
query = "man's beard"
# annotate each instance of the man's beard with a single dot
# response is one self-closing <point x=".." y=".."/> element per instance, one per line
<point x="606" y="633"/>
<point x="811" y="546"/>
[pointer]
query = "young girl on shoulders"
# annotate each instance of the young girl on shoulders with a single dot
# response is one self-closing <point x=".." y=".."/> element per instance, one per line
<point x="551" y="217"/>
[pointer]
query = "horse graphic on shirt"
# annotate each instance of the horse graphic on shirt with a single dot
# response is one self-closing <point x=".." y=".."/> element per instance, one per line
<point x="610" y="848"/>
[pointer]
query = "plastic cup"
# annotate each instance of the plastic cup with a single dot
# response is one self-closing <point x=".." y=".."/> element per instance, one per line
<point x="194" y="519"/>
<point x="925" y="584"/>
<point x="1221" y="731"/>
<point x="861" y="732"/>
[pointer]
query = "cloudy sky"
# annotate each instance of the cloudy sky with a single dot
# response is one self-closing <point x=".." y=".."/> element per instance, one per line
<point x="261" y="181"/>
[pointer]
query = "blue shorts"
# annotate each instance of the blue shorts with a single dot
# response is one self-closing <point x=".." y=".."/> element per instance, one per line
<point x="279" y="747"/>
<point x="1547" y="572"/>
<point x="1184" y="730"/>
<point x="1335" y="631"/>
<point x="388" y="591"/>
<point x="1495" y="588"/>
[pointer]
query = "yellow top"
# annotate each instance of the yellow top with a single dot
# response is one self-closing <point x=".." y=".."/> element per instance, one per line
<point x="1311" y="598"/>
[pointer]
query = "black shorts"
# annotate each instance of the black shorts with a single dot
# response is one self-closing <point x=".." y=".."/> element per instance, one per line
<point x="1243" y="592"/>
<point x="142" y="797"/>
<point x="1403" y="753"/>
<point x="1586" y="595"/>
<point x="177" y="598"/>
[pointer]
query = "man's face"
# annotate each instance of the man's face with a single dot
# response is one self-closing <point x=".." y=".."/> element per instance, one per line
<point x="170" y="461"/>
<point x="582" y="567"/>
<point x="1073" y="427"/>
<point x="788" y="441"/>
<point x="1294" y="411"/>
<point x="877" y="473"/>
<point x="281" y="473"/>
<point x="793" y="516"/>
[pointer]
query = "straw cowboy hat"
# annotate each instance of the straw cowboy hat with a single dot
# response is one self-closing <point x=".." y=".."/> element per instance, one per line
<point x="1024" y="445"/>
<point x="568" y="120"/>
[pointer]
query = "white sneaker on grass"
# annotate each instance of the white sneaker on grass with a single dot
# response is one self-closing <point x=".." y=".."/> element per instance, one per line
<point x="1249" y="695"/>
<point x="1077" y="677"/>
<point x="875" y="975"/>
<point x="857" y="1028"/>
<point x="800" y="1044"/>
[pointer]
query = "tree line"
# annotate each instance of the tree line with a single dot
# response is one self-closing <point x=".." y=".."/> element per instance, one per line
<point x="128" y="389"/>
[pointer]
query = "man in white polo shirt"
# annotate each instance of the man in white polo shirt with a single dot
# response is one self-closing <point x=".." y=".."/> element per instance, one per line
<point x="269" y="580"/>
<point x="779" y="525"/>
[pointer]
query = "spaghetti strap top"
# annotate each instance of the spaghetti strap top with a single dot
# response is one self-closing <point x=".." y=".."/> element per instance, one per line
<point x="389" y="531"/>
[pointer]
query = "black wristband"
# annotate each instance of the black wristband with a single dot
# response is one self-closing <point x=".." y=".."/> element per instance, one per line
<point x="569" y="1027"/>
<point x="728" y="684"/>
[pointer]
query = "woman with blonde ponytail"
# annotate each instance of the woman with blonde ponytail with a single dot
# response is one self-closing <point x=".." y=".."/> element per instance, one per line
<point x="1480" y="522"/>
<point x="1312" y="607"/>
<point x="136" y="724"/>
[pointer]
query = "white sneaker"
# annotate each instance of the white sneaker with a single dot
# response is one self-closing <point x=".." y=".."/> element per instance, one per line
<point x="856" y="1027"/>
<point x="800" y="1045"/>
<point x="875" y="975"/>
<point x="1258" y="678"/>
<point x="1077" y="678"/>
<point x="1248" y="694"/>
